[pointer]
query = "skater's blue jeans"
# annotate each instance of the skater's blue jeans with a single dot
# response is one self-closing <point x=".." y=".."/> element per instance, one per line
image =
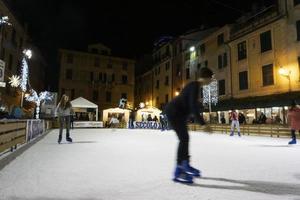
<point x="64" y="120"/>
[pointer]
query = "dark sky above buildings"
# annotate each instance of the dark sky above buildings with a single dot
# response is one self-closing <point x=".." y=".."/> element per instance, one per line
<point x="128" y="27"/>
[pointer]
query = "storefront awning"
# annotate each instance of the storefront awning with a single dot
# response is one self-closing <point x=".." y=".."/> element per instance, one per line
<point x="275" y="100"/>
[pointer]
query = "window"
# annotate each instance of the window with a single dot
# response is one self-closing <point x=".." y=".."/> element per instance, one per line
<point x="10" y="62"/>
<point x="113" y="78"/>
<point x="243" y="80"/>
<point x="202" y="49"/>
<point x="94" y="50"/>
<point x="206" y="63"/>
<point x="157" y="101"/>
<point x="242" y="50"/>
<point x="187" y="73"/>
<point x="157" y="84"/>
<point x="63" y="91"/>
<point x="268" y="78"/>
<point x="69" y="74"/>
<point x="124" y="95"/>
<point x="104" y="78"/>
<point x="187" y="56"/>
<point x="296" y="2"/>
<point x="124" y="65"/>
<point x="298" y="30"/>
<point x="124" y="79"/>
<point x="225" y="60"/>
<point x="158" y="71"/>
<point x="108" y="96"/>
<point x="100" y="76"/>
<point x="97" y="62"/>
<point x="178" y="72"/>
<point x="167" y="66"/>
<point x="220" y="39"/>
<point x="167" y="98"/>
<point x="201" y="92"/>
<point x="3" y="54"/>
<point x="95" y="95"/>
<point x="221" y="87"/>
<point x="91" y="76"/>
<point x="109" y="65"/>
<point x="167" y="81"/>
<point x="220" y="61"/>
<point x="72" y="94"/>
<point x="70" y="58"/>
<point x="199" y="66"/>
<point x="265" y="41"/>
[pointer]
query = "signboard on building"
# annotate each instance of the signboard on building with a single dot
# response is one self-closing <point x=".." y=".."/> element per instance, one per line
<point x="2" y="68"/>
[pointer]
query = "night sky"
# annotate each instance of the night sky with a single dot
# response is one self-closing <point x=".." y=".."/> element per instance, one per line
<point x="129" y="28"/>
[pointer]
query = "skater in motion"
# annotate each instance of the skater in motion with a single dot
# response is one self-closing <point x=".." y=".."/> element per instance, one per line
<point x="64" y="111"/>
<point x="178" y="111"/>
<point x="294" y="121"/>
<point x="234" y="122"/>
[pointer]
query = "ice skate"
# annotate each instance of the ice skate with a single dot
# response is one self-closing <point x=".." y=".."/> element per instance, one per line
<point x="69" y="139"/>
<point x="293" y="141"/>
<point x="190" y="170"/>
<point x="181" y="176"/>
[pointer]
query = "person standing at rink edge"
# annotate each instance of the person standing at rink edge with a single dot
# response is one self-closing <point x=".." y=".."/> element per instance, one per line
<point x="294" y="121"/>
<point x="234" y="123"/>
<point x="178" y="111"/>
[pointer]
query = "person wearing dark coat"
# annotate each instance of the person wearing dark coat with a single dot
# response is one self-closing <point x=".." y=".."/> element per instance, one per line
<point x="131" y="120"/>
<point x="178" y="112"/>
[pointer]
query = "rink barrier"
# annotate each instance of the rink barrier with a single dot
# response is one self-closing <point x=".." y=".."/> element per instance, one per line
<point x="257" y="129"/>
<point x="18" y="132"/>
<point x="12" y="133"/>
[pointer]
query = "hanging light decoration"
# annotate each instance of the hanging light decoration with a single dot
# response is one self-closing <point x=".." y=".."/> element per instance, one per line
<point x="210" y="93"/>
<point x="14" y="81"/>
<point x="37" y="99"/>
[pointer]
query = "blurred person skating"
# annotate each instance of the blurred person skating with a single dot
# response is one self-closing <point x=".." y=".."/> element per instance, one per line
<point x="234" y="123"/>
<point x="294" y="121"/>
<point x="178" y="112"/>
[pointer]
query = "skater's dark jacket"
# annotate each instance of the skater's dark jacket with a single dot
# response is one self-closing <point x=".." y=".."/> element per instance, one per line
<point x="187" y="102"/>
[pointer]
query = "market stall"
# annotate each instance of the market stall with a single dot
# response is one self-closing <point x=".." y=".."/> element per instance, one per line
<point x="83" y="106"/>
<point x="142" y="114"/>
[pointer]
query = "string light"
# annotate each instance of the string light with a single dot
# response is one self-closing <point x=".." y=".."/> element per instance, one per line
<point x="210" y="93"/>
<point x="24" y="75"/>
<point x="37" y="99"/>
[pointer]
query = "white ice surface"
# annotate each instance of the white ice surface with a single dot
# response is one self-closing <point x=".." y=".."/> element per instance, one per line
<point x="110" y="164"/>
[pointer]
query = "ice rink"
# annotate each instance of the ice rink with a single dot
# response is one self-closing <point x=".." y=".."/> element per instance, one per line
<point x="106" y="164"/>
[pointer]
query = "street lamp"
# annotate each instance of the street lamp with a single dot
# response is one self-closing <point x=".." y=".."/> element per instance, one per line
<point x="176" y="93"/>
<point x="286" y="73"/>
<point x="192" y="49"/>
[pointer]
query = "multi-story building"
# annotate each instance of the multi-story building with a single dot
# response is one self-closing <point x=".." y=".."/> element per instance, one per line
<point x="144" y="89"/>
<point x="162" y="69"/>
<point x="13" y="40"/>
<point x="265" y="60"/>
<point x="183" y="59"/>
<point x="97" y="76"/>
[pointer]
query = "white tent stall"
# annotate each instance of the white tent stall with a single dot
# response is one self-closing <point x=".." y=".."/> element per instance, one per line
<point x="117" y="111"/>
<point x="81" y="105"/>
<point x="144" y="112"/>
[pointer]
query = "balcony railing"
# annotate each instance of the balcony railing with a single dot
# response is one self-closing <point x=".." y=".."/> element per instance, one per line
<point x="253" y="22"/>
